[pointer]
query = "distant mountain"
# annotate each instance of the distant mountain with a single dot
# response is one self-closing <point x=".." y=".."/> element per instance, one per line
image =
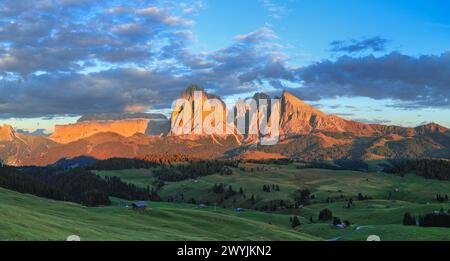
<point x="306" y="134"/>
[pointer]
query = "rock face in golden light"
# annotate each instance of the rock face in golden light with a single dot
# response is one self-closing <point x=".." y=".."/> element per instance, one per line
<point x="72" y="132"/>
<point x="195" y="123"/>
<point x="307" y="134"/>
<point x="298" y="117"/>
<point x="6" y="133"/>
<point x="195" y="128"/>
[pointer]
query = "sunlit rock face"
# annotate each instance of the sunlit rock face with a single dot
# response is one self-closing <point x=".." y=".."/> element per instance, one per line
<point x="307" y="134"/>
<point x="68" y="133"/>
<point x="298" y="117"/>
<point x="6" y="133"/>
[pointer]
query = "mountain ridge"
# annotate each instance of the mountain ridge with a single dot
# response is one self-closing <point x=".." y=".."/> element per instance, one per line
<point x="306" y="134"/>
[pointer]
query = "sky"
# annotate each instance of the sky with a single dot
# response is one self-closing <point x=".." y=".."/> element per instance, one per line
<point x="376" y="61"/>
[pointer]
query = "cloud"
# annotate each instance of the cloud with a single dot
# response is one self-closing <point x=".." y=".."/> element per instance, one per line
<point x="242" y="66"/>
<point x="37" y="132"/>
<point x="138" y="55"/>
<point x="274" y="9"/>
<point x="57" y="36"/>
<point x="374" y="44"/>
<point x="344" y="114"/>
<point x="410" y="81"/>
<point x="372" y="121"/>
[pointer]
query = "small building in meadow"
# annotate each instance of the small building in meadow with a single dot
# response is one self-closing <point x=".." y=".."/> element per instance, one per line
<point x="139" y="205"/>
<point x="202" y="206"/>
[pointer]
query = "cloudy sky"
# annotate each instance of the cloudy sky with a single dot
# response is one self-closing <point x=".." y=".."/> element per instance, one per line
<point x="375" y="61"/>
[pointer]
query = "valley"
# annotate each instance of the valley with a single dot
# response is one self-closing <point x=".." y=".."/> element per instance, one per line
<point x="191" y="209"/>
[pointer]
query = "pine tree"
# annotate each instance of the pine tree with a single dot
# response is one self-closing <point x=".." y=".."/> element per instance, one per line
<point x="408" y="219"/>
<point x="295" y="222"/>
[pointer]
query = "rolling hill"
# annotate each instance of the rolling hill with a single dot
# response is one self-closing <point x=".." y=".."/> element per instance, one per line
<point x="26" y="217"/>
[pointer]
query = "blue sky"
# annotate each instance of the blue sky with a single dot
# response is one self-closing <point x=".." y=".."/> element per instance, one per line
<point x="378" y="61"/>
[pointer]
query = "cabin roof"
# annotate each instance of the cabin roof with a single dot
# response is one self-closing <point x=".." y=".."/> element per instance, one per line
<point x="139" y="204"/>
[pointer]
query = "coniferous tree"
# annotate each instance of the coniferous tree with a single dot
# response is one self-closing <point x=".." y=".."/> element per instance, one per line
<point x="295" y="222"/>
<point x="325" y="214"/>
<point x="408" y="219"/>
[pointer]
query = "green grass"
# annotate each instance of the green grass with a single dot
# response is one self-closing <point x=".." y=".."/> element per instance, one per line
<point x="408" y="194"/>
<point x="138" y="177"/>
<point x="26" y="217"/>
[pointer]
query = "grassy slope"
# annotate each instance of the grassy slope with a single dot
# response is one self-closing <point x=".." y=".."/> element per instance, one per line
<point x="322" y="183"/>
<point x="26" y="217"/>
<point x="410" y="193"/>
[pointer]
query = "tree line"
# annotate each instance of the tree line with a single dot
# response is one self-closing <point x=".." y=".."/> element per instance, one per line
<point x="77" y="185"/>
<point x="427" y="168"/>
<point x="436" y="219"/>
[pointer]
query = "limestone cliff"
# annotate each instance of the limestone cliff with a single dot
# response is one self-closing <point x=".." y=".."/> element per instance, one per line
<point x="72" y="132"/>
<point x="6" y="133"/>
<point x="298" y="117"/>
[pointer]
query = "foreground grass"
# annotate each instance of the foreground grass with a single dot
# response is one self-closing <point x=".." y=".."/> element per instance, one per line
<point x="26" y="217"/>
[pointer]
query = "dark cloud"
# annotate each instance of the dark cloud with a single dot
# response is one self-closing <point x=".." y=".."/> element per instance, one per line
<point x="374" y="44"/>
<point x="56" y="36"/>
<point x="37" y="132"/>
<point x="413" y="82"/>
<point x="76" y="94"/>
<point x="71" y="57"/>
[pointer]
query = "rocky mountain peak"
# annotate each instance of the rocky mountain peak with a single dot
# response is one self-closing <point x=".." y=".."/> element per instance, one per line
<point x="431" y="128"/>
<point x="7" y="133"/>
<point x="291" y="102"/>
<point x="189" y="93"/>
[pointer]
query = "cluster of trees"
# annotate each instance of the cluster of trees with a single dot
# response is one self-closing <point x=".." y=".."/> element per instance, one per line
<point x="282" y="161"/>
<point x="442" y="198"/>
<point x="122" y="163"/>
<point x="363" y="197"/>
<point x="226" y="191"/>
<point x="167" y="158"/>
<point x="270" y="188"/>
<point x="295" y="222"/>
<point x="274" y="205"/>
<point x="84" y="187"/>
<point x="428" y="168"/>
<point x="192" y="170"/>
<point x="325" y="214"/>
<point x="13" y="179"/>
<point x="440" y="219"/>
<point x="77" y="185"/>
<point x="349" y="201"/>
<point x="302" y="197"/>
<point x="408" y="219"/>
<point x="436" y="219"/>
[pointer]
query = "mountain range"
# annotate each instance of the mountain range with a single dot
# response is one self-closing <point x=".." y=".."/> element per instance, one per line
<point x="306" y="134"/>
